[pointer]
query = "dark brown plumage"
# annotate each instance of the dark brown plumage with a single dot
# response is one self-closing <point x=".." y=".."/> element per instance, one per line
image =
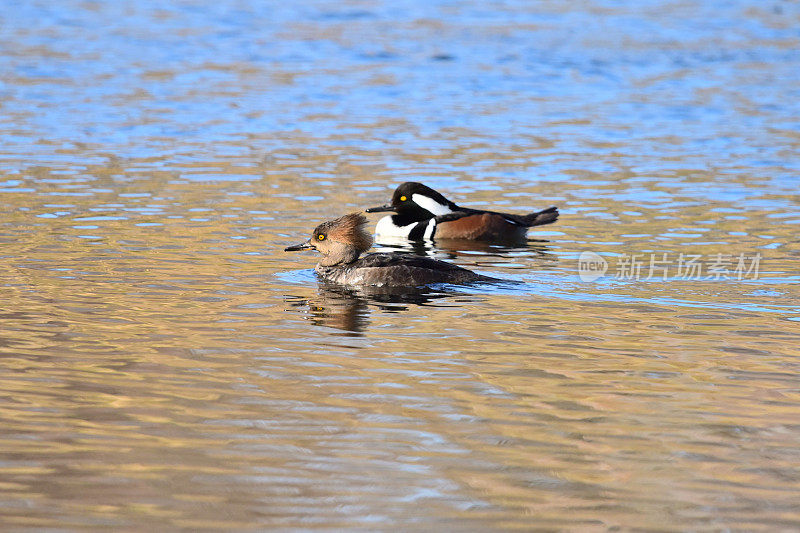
<point x="341" y="241"/>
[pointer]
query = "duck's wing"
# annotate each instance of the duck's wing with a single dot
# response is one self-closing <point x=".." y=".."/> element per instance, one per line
<point x="407" y="260"/>
<point x="538" y="218"/>
<point x="465" y="217"/>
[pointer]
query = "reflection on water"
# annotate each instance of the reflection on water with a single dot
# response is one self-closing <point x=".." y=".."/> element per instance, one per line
<point x="348" y="308"/>
<point x="454" y="246"/>
<point x="164" y="364"/>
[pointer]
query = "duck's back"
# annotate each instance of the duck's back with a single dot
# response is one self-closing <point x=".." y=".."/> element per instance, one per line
<point x="398" y="269"/>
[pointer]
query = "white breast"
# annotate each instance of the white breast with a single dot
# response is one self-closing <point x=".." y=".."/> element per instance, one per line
<point x="387" y="228"/>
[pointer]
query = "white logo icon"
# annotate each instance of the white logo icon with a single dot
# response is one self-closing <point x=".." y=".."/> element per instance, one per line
<point x="591" y="266"/>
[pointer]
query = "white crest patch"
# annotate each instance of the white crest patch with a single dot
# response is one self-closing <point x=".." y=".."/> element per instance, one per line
<point x="430" y="204"/>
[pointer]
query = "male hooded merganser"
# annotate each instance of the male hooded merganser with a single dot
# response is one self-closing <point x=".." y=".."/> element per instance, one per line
<point x="422" y="213"/>
<point x="343" y="240"/>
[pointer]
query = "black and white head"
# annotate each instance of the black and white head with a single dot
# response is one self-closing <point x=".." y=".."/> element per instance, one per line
<point x="415" y="201"/>
<point x="340" y="241"/>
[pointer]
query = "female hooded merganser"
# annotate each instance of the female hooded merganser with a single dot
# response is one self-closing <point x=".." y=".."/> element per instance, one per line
<point x="343" y="240"/>
<point x="422" y="213"/>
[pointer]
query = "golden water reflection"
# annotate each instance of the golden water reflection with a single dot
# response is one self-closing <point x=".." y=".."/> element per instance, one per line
<point x="164" y="365"/>
<point x="162" y="374"/>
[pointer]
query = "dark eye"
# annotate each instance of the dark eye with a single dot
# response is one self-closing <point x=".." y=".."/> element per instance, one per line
<point x="321" y="237"/>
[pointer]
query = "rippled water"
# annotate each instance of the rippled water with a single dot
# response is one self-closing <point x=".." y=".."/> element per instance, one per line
<point x="164" y="364"/>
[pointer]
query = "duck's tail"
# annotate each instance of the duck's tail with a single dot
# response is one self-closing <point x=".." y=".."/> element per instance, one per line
<point x="540" y="218"/>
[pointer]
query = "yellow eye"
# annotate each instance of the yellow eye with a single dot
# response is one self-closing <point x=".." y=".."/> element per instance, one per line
<point x="403" y="198"/>
<point x="321" y="237"/>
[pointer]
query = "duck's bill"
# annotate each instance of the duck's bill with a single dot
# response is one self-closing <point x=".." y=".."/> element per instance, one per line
<point x="380" y="208"/>
<point x="302" y="246"/>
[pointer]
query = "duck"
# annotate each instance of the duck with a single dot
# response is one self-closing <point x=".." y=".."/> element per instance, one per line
<point x="421" y="213"/>
<point x="342" y="242"/>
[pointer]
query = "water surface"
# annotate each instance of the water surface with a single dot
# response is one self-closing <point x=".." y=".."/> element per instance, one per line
<point x="165" y="365"/>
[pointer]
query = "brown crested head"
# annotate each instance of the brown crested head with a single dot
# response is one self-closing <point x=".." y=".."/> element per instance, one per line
<point x="347" y="229"/>
<point x="340" y="240"/>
